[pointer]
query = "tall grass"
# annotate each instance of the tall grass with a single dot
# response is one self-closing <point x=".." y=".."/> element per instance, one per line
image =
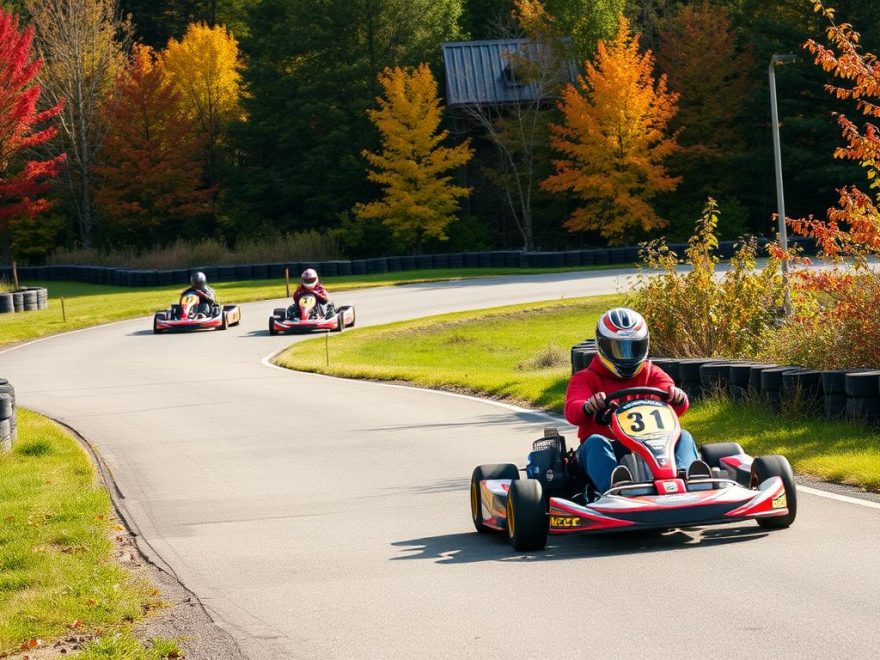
<point x="303" y="246"/>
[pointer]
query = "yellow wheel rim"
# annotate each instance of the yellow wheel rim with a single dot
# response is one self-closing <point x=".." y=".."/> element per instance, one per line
<point x="511" y="530"/>
<point x="475" y="501"/>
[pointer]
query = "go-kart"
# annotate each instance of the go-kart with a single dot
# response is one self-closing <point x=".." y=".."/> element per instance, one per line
<point x="556" y="497"/>
<point x="309" y="314"/>
<point x="185" y="315"/>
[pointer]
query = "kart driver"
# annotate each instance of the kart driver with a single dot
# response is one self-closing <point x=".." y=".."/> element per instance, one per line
<point x="199" y="285"/>
<point x="621" y="361"/>
<point x="309" y="284"/>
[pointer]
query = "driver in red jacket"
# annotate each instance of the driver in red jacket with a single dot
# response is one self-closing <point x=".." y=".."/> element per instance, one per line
<point x="621" y="361"/>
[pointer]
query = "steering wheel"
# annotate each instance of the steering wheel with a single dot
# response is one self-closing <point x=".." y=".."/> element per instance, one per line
<point x="604" y="416"/>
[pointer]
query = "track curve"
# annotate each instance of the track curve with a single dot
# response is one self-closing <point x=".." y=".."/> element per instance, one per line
<point x="318" y="517"/>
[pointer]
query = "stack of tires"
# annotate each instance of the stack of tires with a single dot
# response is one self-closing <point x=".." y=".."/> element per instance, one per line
<point x="863" y="396"/>
<point x="28" y="299"/>
<point x="834" y="390"/>
<point x="582" y="354"/>
<point x="7" y="415"/>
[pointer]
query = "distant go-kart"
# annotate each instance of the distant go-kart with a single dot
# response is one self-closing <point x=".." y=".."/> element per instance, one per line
<point x="554" y="498"/>
<point x="185" y="316"/>
<point x="309" y="315"/>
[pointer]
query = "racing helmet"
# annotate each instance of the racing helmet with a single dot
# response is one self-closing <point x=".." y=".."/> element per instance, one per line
<point x="309" y="278"/>
<point x="622" y="341"/>
<point x="198" y="280"/>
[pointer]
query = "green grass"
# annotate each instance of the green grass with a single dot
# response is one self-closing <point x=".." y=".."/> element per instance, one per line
<point x="522" y="354"/>
<point x="58" y="576"/>
<point x="91" y="304"/>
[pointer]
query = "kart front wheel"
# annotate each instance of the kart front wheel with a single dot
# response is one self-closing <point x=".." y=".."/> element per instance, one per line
<point x="526" y="515"/>
<point x="482" y="473"/>
<point x="156" y="329"/>
<point x="765" y="467"/>
<point x="272" y="330"/>
<point x="340" y="322"/>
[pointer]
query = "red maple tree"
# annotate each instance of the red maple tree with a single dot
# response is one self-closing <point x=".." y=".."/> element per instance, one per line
<point x="24" y="178"/>
<point x="150" y="170"/>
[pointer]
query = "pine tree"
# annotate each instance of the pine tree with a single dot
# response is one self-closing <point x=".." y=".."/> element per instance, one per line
<point x="614" y="141"/>
<point x="419" y="198"/>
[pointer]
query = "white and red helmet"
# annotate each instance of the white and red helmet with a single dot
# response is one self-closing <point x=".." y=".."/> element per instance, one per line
<point x="622" y="341"/>
<point x="309" y="278"/>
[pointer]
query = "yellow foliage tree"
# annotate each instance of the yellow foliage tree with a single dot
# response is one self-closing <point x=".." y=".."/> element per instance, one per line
<point x="419" y="199"/>
<point x="206" y="69"/>
<point x="614" y="141"/>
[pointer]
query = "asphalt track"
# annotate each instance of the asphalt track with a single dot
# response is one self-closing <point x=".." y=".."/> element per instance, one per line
<point x="318" y="517"/>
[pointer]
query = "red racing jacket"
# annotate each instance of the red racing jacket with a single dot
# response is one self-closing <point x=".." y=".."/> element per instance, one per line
<point x="318" y="291"/>
<point x="597" y="378"/>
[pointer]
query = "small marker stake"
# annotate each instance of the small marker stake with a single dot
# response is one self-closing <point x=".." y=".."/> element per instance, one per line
<point x="63" y="311"/>
<point x="287" y="281"/>
<point x="327" y="347"/>
<point x="15" y="275"/>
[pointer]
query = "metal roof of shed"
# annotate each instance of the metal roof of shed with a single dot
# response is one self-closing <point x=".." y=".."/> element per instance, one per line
<point x="475" y="72"/>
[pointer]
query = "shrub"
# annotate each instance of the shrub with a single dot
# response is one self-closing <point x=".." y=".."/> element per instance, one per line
<point x="304" y="246"/>
<point x="699" y="312"/>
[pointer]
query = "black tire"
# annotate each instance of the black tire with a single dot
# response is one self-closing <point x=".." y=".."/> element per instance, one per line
<point x="765" y="467"/>
<point x="340" y="322"/>
<point x="353" y="318"/>
<point x="863" y="385"/>
<point x="272" y="330"/>
<point x="224" y="322"/>
<point x="835" y="405"/>
<point x="834" y="381"/>
<point x="481" y="473"/>
<point x="714" y="452"/>
<point x="861" y="409"/>
<point x="156" y="330"/>
<point x="280" y="313"/>
<point x="527" y="521"/>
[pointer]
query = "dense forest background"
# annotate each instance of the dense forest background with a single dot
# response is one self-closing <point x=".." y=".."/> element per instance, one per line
<point x="289" y="156"/>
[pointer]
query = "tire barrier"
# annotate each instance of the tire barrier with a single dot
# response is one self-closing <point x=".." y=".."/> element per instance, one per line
<point x="8" y="425"/>
<point x="853" y="394"/>
<point x="27" y="299"/>
<point x="496" y="259"/>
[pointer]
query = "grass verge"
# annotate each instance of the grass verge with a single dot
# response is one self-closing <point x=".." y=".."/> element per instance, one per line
<point x="521" y="353"/>
<point x="92" y="304"/>
<point x="58" y="576"/>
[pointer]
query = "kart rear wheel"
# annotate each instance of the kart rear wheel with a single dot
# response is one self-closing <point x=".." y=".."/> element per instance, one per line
<point x="280" y="313"/>
<point x="765" y="467"/>
<point x="527" y="520"/>
<point x="713" y="453"/>
<point x="481" y="473"/>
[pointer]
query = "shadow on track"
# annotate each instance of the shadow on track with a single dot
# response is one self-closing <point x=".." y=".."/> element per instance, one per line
<point x="470" y="547"/>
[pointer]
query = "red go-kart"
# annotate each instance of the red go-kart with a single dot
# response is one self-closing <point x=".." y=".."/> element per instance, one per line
<point x="186" y="316"/>
<point x="310" y="315"/>
<point x="555" y="498"/>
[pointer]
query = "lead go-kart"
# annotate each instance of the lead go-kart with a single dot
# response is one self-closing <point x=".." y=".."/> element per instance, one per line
<point x="555" y="498"/>
<point x="185" y="315"/>
<point x="308" y="315"/>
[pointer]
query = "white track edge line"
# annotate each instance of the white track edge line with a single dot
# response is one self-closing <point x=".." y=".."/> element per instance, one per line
<point x="267" y="362"/>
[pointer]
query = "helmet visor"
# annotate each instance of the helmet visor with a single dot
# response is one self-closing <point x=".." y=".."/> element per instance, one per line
<point x="624" y="350"/>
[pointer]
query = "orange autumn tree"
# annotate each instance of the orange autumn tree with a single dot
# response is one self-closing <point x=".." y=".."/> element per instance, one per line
<point x="151" y="166"/>
<point x="614" y="141"/>
<point x="419" y="197"/>
<point x="834" y="324"/>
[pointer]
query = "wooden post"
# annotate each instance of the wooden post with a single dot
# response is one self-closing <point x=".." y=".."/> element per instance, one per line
<point x="327" y="347"/>
<point x="15" y="275"/>
<point x="287" y="281"/>
<point x="63" y="311"/>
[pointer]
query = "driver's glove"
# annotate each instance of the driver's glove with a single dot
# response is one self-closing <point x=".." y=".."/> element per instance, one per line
<point x="595" y="403"/>
<point x="676" y="395"/>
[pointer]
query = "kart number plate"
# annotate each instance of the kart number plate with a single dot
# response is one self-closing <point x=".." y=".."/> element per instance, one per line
<point x="646" y="421"/>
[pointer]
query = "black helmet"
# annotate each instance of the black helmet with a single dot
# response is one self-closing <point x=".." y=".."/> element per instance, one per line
<point x="198" y="280"/>
<point x="622" y="341"/>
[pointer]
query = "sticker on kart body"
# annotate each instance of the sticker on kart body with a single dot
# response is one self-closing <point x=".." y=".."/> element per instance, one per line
<point x="780" y="502"/>
<point x="647" y="421"/>
<point x="676" y="499"/>
<point x="564" y="522"/>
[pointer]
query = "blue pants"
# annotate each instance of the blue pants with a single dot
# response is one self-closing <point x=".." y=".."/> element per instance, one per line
<point x="597" y="458"/>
